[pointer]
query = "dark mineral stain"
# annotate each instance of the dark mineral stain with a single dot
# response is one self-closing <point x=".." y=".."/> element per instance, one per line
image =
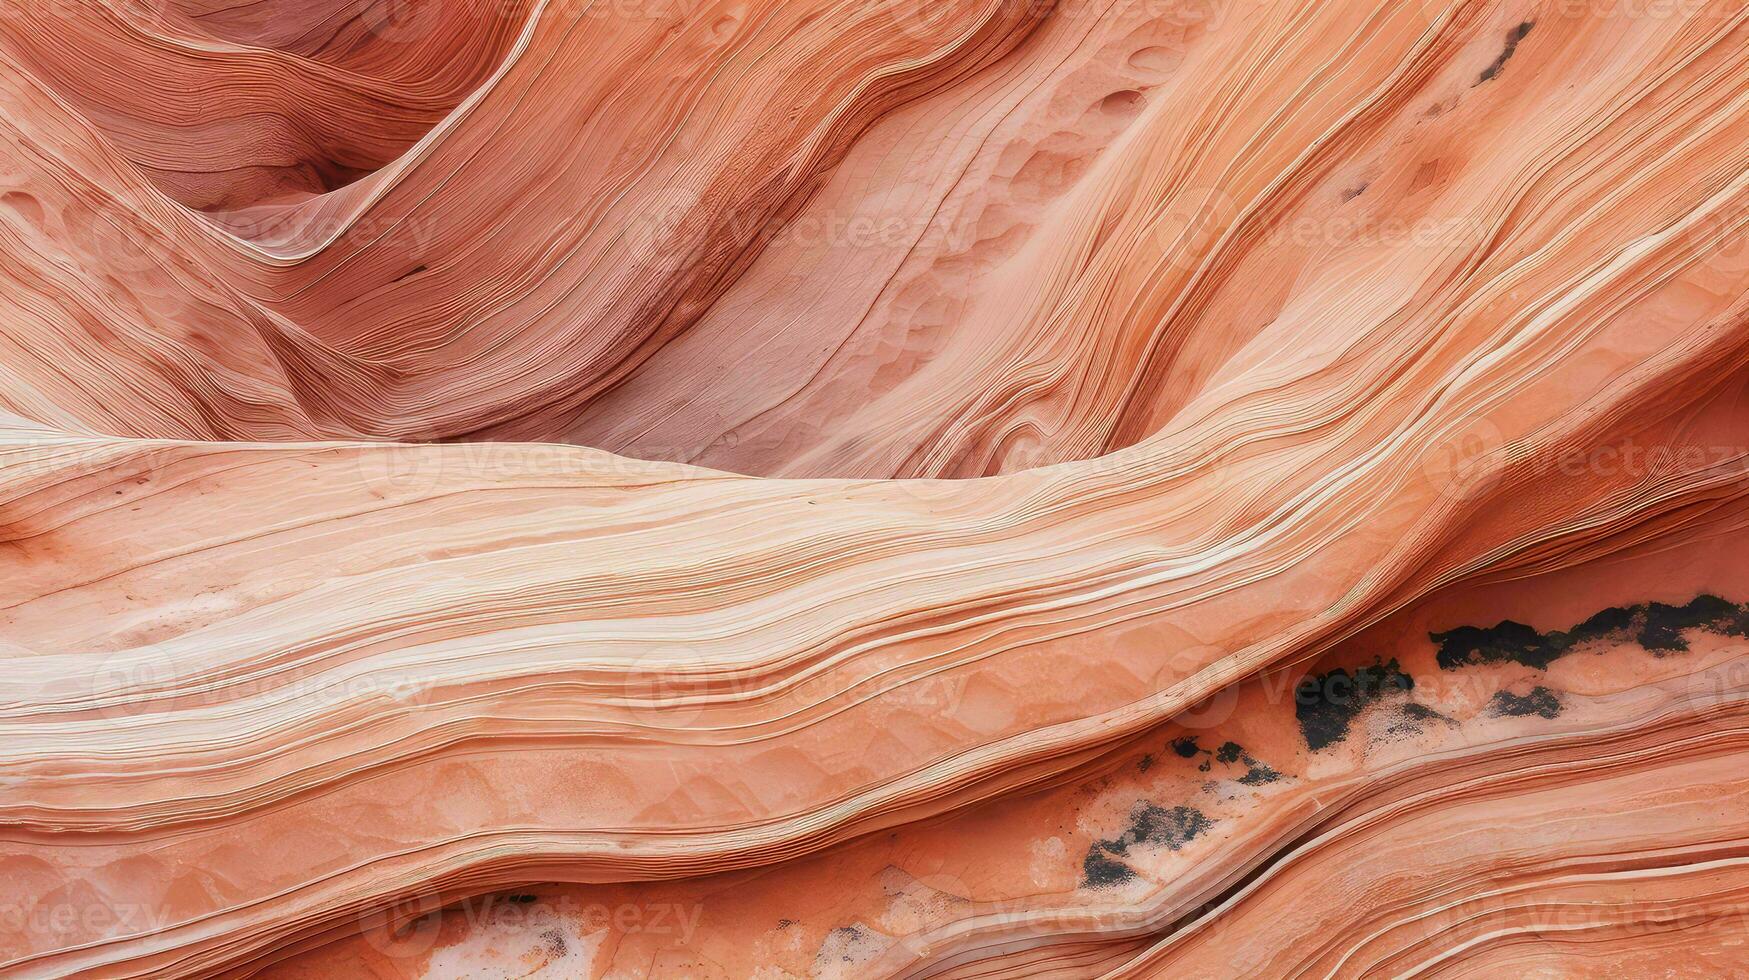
<point x="1355" y="191"/>
<point x="1146" y="763"/>
<point x="1506" y="641"/>
<point x="785" y="923"/>
<point x="522" y="899"/>
<point x="1100" y="871"/>
<point x="1412" y="719"/>
<point x="1540" y="701"/>
<point x="1327" y="703"/>
<point x="1513" y="36"/>
<point x="850" y="938"/>
<point x="1655" y="626"/>
<point x="1205" y="767"/>
<point x="554" y="940"/>
<point x="1150" y="823"/>
<point x="1662" y="630"/>
<point x="1186" y="747"/>
<point x="1258" y="774"/>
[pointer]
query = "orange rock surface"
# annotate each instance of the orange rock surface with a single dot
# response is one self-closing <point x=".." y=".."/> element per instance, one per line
<point x="950" y="488"/>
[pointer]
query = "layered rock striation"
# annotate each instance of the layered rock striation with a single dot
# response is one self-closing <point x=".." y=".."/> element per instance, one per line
<point x="714" y="488"/>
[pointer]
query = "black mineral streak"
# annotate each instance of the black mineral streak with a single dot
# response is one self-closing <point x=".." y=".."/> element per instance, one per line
<point x="1258" y="774"/>
<point x="1185" y="747"/>
<point x="555" y="942"/>
<point x="1412" y="719"/>
<point x="1514" y="36"/>
<point x="1150" y="823"/>
<point x="1327" y="703"/>
<point x="1655" y="626"/>
<point x="1100" y="871"/>
<point x="1540" y="701"/>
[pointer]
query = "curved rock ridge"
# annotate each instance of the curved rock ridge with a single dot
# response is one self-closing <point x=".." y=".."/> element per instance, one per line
<point x="1432" y="806"/>
<point x="704" y="488"/>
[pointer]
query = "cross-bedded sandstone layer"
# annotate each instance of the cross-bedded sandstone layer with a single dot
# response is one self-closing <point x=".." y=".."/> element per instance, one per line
<point x="970" y="488"/>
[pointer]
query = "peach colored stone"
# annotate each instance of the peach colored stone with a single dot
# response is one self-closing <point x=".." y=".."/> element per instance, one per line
<point x="716" y="488"/>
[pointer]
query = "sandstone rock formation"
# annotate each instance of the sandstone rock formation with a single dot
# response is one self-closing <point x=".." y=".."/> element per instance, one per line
<point x="715" y="488"/>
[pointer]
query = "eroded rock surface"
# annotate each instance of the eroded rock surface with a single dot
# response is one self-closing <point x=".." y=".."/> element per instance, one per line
<point x="711" y="488"/>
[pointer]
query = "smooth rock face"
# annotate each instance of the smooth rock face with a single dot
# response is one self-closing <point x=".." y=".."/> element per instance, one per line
<point x="949" y="488"/>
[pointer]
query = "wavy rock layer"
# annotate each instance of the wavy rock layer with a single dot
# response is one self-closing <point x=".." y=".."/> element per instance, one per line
<point x="1167" y="487"/>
